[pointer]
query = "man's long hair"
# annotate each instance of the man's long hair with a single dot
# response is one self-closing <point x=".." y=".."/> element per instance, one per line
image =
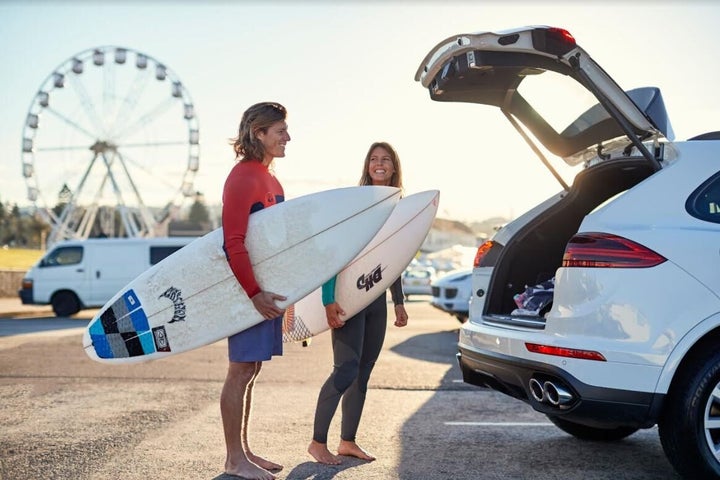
<point x="257" y="118"/>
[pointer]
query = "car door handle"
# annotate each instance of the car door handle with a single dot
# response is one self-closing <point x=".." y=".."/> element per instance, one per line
<point x="97" y="274"/>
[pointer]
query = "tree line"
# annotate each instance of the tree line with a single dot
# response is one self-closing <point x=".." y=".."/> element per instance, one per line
<point x="27" y="229"/>
<point x="21" y="230"/>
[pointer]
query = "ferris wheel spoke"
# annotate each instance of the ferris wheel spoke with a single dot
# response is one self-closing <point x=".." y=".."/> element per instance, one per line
<point x="130" y="100"/>
<point x="86" y="102"/>
<point x="157" y="177"/>
<point x="71" y="123"/>
<point x="153" y="144"/>
<point x="146" y="119"/>
<point x="108" y="91"/>
<point x="59" y="149"/>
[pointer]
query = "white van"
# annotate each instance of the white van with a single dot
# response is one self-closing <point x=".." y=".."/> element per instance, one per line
<point x="78" y="274"/>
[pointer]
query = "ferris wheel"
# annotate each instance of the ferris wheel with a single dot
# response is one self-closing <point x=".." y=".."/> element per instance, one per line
<point x="110" y="146"/>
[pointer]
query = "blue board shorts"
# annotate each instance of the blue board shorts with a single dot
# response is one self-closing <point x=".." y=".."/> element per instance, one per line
<point x="258" y="343"/>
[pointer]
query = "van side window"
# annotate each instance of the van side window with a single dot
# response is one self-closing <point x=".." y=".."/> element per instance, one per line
<point x="704" y="202"/>
<point x="159" y="253"/>
<point x="63" y="256"/>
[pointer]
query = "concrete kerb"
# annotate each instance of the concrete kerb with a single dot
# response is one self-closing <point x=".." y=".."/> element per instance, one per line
<point x="12" y="307"/>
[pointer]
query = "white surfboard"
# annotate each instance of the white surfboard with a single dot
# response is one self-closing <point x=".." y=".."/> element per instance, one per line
<point x="192" y="298"/>
<point x="372" y="271"/>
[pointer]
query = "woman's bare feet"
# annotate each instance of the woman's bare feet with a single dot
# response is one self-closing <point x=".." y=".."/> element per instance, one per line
<point x="320" y="453"/>
<point x="248" y="470"/>
<point x="262" y="463"/>
<point x="352" y="449"/>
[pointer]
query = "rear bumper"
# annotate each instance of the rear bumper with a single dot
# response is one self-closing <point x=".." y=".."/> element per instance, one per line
<point x="593" y="406"/>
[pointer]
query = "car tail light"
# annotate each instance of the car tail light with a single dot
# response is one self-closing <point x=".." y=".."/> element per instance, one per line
<point x="603" y="250"/>
<point x="565" y="352"/>
<point x="482" y="251"/>
<point x="556" y="41"/>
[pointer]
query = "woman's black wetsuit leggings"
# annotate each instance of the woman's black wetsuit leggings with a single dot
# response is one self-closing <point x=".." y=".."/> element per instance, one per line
<point x="356" y="347"/>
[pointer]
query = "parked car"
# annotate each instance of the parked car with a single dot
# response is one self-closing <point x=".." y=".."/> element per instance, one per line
<point x="630" y="339"/>
<point x="417" y="280"/>
<point x="451" y="293"/>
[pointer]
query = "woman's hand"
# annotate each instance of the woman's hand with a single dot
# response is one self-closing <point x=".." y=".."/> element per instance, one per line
<point x="264" y="302"/>
<point x="332" y="313"/>
<point x="401" y="316"/>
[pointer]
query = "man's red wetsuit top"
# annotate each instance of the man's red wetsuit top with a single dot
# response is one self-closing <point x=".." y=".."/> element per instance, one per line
<point x="249" y="187"/>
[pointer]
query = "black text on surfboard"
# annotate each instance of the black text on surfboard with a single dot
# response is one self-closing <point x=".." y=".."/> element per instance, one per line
<point x="366" y="282"/>
<point x="175" y="295"/>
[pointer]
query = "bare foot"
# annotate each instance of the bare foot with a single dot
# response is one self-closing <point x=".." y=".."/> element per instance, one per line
<point x="352" y="449"/>
<point x="320" y="453"/>
<point x="249" y="471"/>
<point x="262" y="463"/>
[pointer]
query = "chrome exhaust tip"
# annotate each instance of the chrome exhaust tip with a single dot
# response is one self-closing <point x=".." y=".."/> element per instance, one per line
<point x="536" y="390"/>
<point x="556" y="395"/>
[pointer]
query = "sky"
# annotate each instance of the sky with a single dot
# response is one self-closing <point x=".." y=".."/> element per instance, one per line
<point x="345" y="71"/>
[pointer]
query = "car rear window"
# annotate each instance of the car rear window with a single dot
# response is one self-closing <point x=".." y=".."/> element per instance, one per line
<point x="704" y="202"/>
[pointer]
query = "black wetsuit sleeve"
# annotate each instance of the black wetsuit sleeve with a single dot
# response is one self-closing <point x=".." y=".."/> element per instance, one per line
<point x="396" y="292"/>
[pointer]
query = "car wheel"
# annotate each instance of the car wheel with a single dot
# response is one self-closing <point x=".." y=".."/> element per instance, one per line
<point x="689" y="426"/>
<point x="584" y="432"/>
<point x="65" y="304"/>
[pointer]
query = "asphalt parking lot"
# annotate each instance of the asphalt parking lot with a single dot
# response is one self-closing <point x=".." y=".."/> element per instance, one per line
<point x="65" y="416"/>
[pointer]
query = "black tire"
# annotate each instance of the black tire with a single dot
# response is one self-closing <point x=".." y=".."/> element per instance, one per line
<point x="583" y="432"/>
<point x="65" y="304"/>
<point x="689" y="413"/>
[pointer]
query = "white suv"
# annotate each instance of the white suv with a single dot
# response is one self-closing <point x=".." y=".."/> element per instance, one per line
<point x="632" y="244"/>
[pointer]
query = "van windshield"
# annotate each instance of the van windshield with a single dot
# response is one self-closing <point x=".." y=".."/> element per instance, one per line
<point x="63" y="256"/>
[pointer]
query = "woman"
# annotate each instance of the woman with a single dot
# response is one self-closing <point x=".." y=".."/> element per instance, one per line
<point x="356" y="342"/>
<point x="250" y="186"/>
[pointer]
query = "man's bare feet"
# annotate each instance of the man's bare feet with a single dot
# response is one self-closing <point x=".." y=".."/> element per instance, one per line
<point x="249" y="471"/>
<point x="352" y="449"/>
<point x="320" y="453"/>
<point x="262" y="463"/>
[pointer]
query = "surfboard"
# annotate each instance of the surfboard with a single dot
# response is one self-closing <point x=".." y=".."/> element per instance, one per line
<point x="192" y="298"/>
<point x="372" y="271"/>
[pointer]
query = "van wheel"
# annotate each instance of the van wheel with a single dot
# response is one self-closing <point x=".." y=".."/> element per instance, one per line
<point x="689" y="426"/>
<point x="65" y="304"/>
<point x="461" y="317"/>
<point x="584" y="432"/>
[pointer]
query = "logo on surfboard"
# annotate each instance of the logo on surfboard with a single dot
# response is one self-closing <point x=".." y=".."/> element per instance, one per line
<point x="161" y="341"/>
<point x="175" y="296"/>
<point x="367" y="281"/>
